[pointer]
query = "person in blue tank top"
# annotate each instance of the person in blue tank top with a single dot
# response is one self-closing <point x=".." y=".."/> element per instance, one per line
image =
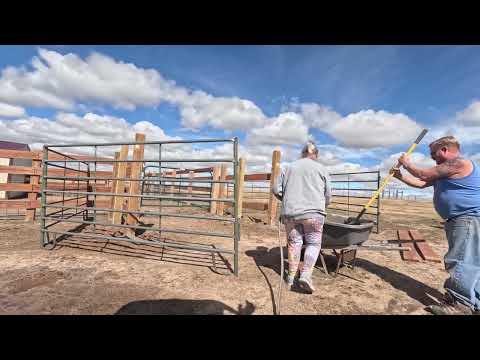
<point x="456" y="183"/>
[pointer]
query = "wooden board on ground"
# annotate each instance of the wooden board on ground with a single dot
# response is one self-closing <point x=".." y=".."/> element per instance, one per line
<point x="423" y="248"/>
<point x="405" y="241"/>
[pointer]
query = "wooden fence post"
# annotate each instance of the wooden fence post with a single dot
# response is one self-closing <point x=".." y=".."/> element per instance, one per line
<point x="241" y="182"/>
<point x="215" y="188"/>
<point x="114" y="183"/>
<point x="191" y="174"/>
<point x="34" y="180"/>
<point x="136" y="172"/>
<point x="273" y="202"/>
<point x="222" y="192"/>
<point x="120" y="186"/>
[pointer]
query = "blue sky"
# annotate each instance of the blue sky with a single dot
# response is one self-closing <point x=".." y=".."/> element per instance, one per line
<point x="362" y="104"/>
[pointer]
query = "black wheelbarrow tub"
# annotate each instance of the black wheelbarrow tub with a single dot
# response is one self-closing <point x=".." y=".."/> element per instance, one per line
<point x="338" y="235"/>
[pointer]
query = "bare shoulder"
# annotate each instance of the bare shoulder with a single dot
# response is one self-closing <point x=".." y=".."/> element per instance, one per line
<point x="458" y="167"/>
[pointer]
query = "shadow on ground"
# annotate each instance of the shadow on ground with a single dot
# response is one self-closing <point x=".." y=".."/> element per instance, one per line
<point x="415" y="289"/>
<point x="183" y="307"/>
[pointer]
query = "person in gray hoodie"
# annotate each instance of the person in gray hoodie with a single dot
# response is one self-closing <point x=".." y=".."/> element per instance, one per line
<point x="305" y="192"/>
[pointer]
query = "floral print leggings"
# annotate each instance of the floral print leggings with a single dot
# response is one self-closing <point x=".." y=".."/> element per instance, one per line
<point x="311" y="231"/>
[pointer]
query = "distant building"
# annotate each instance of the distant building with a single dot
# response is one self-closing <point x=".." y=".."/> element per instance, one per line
<point x="12" y="178"/>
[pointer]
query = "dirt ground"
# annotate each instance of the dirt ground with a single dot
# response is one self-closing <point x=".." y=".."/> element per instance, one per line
<point x="85" y="277"/>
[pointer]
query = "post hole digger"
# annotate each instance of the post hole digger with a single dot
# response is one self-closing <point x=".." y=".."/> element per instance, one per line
<point x="346" y="235"/>
<point x="356" y="220"/>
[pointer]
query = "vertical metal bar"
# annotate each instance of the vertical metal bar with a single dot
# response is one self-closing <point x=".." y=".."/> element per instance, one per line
<point x="159" y="190"/>
<point x="143" y="184"/>
<point x="237" y="218"/>
<point x="348" y="195"/>
<point x="95" y="192"/>
<point x="378" y="204"/>
<point x="43" y="199"/>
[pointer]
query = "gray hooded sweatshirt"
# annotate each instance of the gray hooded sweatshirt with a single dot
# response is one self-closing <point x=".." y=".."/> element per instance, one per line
<point x="304" y="189"/>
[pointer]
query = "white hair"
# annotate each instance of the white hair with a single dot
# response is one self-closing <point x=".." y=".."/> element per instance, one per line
<point x="309" y="149"/>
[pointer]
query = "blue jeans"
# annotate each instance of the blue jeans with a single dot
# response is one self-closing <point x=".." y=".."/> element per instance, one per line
<point x="462" y="260"/>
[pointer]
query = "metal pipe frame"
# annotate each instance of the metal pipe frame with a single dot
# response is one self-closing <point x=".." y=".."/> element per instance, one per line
<point x="64" y="215"/>
<point x="146" y="179"/>
<point x="356" y="207"/>
<point x="141" y="161"/>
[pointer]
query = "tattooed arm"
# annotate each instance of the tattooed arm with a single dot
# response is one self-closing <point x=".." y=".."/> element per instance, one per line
<point x="448" y="169"/>
<point x="411" y="180"/>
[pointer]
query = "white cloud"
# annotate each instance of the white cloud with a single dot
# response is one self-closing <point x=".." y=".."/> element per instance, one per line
<point x="465" y="126"/>
<point x="470" y="116"/>
<point x="364" y="129"/>
<point x="65" y="81"/>
<point x="11" y="110"/>
<point x="416" y="158"/>
<point x="318" y="116"/>
<point x="287" y="128"/>
<point x="73" y="129"/>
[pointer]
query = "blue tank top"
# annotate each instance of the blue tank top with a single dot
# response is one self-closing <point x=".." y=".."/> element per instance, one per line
<point x="455" y="197"/>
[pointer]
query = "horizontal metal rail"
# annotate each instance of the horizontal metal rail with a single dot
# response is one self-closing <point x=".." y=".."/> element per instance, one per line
<point x="152" y="213"/>
<point x="64" y="155"/>
<point x="351" y="211"/>
<point x="341" y="203"/>
<point x="152" y="243"/>
<point x="145" y="179"/>
<point x="354" y="189"/>
<point x="353" y="197"/>
<point x="353" y="173"/>
<point x="141" y="161"/>
<point x="353" y="181"/>
<point x="140" y="196"/>
<point x="65" y="167"/>
<point x="143" y="143"/>
<point x="173" y="231"/>
<point x="62" y="219"/>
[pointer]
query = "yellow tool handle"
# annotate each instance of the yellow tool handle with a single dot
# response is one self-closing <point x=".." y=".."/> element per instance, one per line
<point x="389" y="177"/>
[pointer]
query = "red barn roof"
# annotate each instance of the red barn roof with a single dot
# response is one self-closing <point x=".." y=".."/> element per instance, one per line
<point x="8" y="145"/>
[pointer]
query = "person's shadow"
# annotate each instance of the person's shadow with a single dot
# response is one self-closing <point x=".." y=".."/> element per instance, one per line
<point x="183" y="307"/>
<point x="415" y="289"/>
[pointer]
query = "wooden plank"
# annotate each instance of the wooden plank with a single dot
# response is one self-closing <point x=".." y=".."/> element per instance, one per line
<point x="191" y="175"/>
<point x="405" y="241"/>
<point x="423" y="248"/>
<point x="19" y="204"/>
<point x="136" y="172"/>
<point x="114" y="183"/>
<point x="215" y="190"/>
<point x="20" y="170"/>
<point x="172" y="186"/>
<point x="18" y="154"/>
<point x="241" y="183"/>
<point x="34" y="181"/>
<point x="222" y="190"/>
<point x="120" y="186"/>
<point x="255" y="205"/>
<point x="16" y="187"/>
<point x="187" y="171"/>
<point x="253" y="177"/>
<point x="54" y="156"/>
<point x="62" y="172"/>
<point x="273" y="202"/>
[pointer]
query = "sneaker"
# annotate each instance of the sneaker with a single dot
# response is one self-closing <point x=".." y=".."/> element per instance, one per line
<point x="450" y="307"/>
<point x="290" y="281"/>
<point x="306" y="283"/>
